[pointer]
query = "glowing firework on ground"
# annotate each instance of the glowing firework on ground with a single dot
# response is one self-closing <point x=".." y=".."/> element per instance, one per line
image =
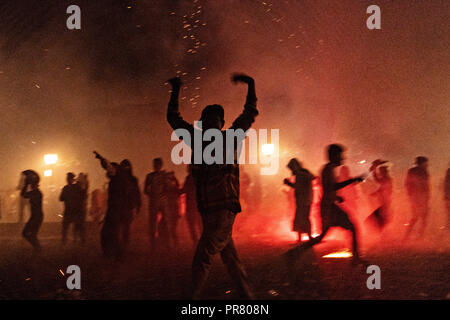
<point x="339" y="254"/>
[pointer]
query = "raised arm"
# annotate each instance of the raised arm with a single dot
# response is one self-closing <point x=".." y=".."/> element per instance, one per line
<point x="345" y="183"/>
<point x="106" y="164"/>
<point x="174" y="117"/>
<point x="247" y="117"/>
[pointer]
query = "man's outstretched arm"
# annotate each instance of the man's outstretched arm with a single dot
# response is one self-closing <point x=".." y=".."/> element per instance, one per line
<point x="245" y="120"/>
<point x="105" y="164"/>
<point x="174" y="117"/>
<point x="345" y="183"/>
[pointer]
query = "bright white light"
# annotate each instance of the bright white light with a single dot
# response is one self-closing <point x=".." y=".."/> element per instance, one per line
<point x="50" y="158"/>
<point x="305" y="237"/>
<point x="267" y="149"/>
<point x="362" y="161"/>
<point x="48" y="173"/>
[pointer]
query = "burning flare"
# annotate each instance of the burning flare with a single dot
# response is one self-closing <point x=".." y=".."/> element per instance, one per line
<point x="339" y="254"/>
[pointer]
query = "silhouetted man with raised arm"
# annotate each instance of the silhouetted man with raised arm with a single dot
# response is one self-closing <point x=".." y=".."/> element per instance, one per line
<point x="117" y="205"/>
<point x="332" y="214"/>
<point x="217" y="187"/>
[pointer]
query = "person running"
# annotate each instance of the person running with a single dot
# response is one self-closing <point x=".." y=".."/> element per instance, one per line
<point x="303" y="197"/>
<point x="31" y="192"/>
<point x="217" y="187"/>
<point x="332" y="215"/>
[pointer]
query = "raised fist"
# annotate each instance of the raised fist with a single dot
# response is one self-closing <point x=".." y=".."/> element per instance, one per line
<point x="175" y="82"/>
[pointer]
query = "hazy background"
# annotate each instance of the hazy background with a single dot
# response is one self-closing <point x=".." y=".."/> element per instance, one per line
<point x="321" y="77"/>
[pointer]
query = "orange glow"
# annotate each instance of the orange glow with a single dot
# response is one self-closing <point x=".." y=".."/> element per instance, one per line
<point x="339" y="254"/>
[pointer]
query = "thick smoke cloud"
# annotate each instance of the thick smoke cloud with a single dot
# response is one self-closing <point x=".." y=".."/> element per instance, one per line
<point x="321" y="75"/>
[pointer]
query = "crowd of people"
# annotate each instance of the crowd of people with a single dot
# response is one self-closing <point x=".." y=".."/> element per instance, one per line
<point x="212" y="193"/>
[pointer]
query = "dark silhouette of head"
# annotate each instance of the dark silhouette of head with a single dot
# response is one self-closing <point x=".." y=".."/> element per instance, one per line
<point x="294" y="165"/>
<point x="213" y="117"/>
<point x="157" y="164"/>
<point x="335" y="154"/>
<point x="31" y="178"/>
<point x="422" y="162"/>
<point x="70" y="177"/>
<point x="125" y="166"/>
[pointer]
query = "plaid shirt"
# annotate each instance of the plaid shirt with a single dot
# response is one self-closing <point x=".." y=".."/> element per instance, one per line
<point x="217" y="185"/>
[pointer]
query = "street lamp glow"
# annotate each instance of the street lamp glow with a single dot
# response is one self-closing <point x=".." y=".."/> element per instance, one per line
<point x="267" y="149"/>
<point x="50" y="158"/>
<point x="48" y="173"/>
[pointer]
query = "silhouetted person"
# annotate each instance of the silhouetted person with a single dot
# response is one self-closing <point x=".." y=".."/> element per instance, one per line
<point x="155" y="189"/>
<point x="447" y="196"/>
<point x="192" y="215"/>
<point x="24" y="204"/>
<point x="332" y="215"/>
<point x="72" y="195"/>
<point x="80" y="221"/>
<point x="418" y="188"/>
<point x="303" y="197"/>
<point x="217" y="187"/>
<point x="382" y="216"/>
<point x="133" y="202"/>
<point x="31" y="192"/>
<point x="117" y="197"/>
<point x="173" y="209"/>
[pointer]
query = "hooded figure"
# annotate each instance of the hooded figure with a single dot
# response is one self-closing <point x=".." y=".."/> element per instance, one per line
<point x="303" y="196"/>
